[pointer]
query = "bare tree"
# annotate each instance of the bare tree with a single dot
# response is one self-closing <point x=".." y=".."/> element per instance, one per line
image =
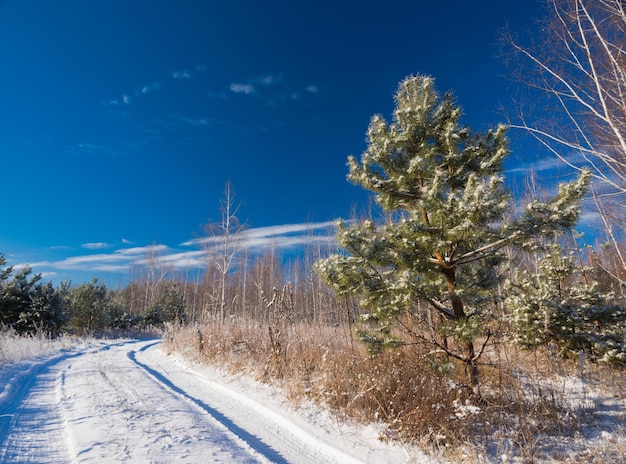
<point x="576" y="67"/>
<point x="223" y="243"/>
<point x="156" y="272"/>
<point x="147" y="277"/>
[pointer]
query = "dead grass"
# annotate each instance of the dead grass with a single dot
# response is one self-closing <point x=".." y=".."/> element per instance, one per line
<point x="15" y="348"/>
<point x="532" y="406"/>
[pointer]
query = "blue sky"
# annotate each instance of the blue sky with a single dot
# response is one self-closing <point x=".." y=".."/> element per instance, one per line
<point x="122" y="120"/>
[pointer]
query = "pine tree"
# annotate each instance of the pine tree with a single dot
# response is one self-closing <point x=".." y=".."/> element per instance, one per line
<point x="4" y="273"/>
<point x="6" y="313"/>
<point x="168" y="305"/>
<point x="26" y="304"/>
<point x="443" y="192"/>
<point x="43" y="313"/>
<point x="16" y="296"/>
<point x="90" y="307"/>
<point x="557" y="304"/>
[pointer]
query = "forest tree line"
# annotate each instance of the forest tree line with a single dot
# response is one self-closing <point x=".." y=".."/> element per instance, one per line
<point x="157" y="294"/>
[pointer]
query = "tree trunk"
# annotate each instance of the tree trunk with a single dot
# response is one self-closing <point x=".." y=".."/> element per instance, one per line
<point x="223" y="299"/>
<point x="471" y="366"/>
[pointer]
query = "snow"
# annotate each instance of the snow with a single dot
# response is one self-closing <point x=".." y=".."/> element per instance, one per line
<point x="129" y="401"/>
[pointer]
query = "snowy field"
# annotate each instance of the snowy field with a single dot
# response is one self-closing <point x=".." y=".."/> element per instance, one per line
<point x="128" y="401"/>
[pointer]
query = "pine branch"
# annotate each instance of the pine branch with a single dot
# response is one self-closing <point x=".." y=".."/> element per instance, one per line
<point x="442" y="308"/>
<point x="490" y="247"/>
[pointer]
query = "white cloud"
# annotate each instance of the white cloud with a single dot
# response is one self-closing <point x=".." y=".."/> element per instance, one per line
<point x="267" y="80"/>
<point x="279" y="236"/>
<point x="120" y="260"/>
<point x="195" y="121"/>
<point x="188" y="73"/>
<point x="95" y="246"/>
<point x="126" y="99"/>
<point x="48" y="275"/>
<point x="271" y="89"/>
<point x="590" y="218"/>
<point x="184" y="74"/>
<point x="142" y="251"/>
<point x="548" y="164"/>
<point x="543" y="165"/>
<point x="255" y="240"/>
<point x="21" y="266"/>
<point x="251" y="86"/>
<point x="181" y="260"/>
<point x="242" y="88"/>
<point x="150" y="87"/>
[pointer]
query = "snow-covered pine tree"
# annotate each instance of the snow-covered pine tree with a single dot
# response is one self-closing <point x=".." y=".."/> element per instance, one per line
<point x="556" y="304"/>
<point x="442" y="190"/>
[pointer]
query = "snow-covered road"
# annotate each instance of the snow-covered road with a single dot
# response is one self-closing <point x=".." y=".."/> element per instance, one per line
<point x="128" y="401"/>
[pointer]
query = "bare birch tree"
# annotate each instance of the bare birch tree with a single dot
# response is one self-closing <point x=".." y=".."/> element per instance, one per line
<point x="575" y="70"/>
<point x="578" y="65"/>
<point x="224" y="243"/>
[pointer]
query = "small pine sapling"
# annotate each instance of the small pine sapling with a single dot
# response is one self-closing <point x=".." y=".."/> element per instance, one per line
<point x="556" y="304"/>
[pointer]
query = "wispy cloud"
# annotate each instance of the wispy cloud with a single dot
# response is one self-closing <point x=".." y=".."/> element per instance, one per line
<point x="268" y="80"/>
<point x="312" y="89"/>
<point x="547" y="164"/>
<point x="143" y="250"/>
<point x="120" y="260"/>
<point x="176" y="121"/>
<point x="590" y="218"/>
<point x="242" y="88"/>
<point x="188" y="73"/>
<point x="183" y="260"/>
<point x="150" y="87"/>
<point x="191" y="254"/>
<point x="48" y="275"/>
<point x="127" y="99"/>
<point x="279" y="235"/>
<point x="93" y="149"/>
<point x="197" y="122"/>
<point x="271" y="89"/>
<point x="95" y="246"/>
<point x="254" y="86"/>
<point x="181" y="75"/>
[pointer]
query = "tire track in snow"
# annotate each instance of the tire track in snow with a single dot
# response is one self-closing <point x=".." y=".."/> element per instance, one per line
<point x="31" y="426"/>
<point x="265" y="450"/>
<point x="117" y="412"/>
<point x="130" y="402"/>
<point x="230" y="407"/>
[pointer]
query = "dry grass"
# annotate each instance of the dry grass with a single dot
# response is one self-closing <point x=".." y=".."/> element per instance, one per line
<point x="14" y="347"/>
<point x="532" y="407"/>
